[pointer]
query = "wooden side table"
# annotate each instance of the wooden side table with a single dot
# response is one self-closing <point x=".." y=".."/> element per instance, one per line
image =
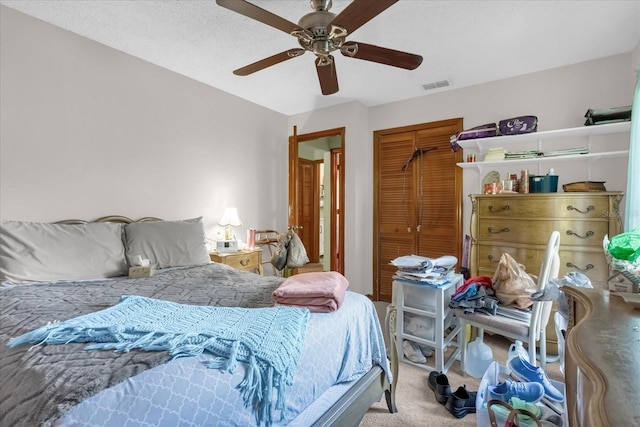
<point x="247" y="260"/>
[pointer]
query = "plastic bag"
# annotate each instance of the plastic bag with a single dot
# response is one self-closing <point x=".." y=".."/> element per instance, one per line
<point x="297" y="254"/>
<point x="574" y="278"/>
<point x="626" y="246"/>
<point x="512" y="284"/>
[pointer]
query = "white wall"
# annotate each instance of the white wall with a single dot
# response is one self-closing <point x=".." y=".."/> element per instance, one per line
<point x="87" y="131"/>
<point x="558" y="97"/>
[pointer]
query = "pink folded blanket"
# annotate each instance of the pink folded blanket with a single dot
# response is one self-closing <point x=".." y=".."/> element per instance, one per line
<point x="320" y="292"/>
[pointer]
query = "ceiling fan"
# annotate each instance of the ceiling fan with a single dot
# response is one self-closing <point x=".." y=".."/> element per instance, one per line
<point x="322" y="33"/>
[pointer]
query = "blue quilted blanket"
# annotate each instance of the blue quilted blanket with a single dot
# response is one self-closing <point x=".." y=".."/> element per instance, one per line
<point x="269" y="340"/>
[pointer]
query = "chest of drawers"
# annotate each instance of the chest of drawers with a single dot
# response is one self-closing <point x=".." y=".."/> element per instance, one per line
<point x="520" y="225"/>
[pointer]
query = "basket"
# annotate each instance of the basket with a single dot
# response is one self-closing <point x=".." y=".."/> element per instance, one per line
<point x="630" y="270"/>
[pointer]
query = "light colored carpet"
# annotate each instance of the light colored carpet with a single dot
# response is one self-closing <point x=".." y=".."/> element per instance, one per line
<point x="416" y="402"/>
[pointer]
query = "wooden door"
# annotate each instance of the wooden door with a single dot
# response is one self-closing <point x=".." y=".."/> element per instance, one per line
<point x="439" y="193"/>
<point x="393" y="225"/>
<point x="309" y="205"/>
<point x="417" y="197"/>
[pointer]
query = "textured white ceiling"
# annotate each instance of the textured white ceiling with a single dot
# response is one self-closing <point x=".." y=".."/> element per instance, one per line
<point x="466" y="42"/>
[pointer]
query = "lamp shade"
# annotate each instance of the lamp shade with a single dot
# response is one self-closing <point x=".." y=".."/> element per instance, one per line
<point x="230" y="218"/>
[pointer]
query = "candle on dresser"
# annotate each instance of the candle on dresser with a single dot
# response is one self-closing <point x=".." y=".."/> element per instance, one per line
<point x="251" y="238"/>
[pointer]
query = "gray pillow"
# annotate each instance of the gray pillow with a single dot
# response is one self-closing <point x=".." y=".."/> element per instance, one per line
<point x="38" y="252"/>
<point x="167" y="243"/>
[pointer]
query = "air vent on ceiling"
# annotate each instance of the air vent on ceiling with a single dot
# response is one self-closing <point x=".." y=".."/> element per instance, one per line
<point x="436" y="85"/>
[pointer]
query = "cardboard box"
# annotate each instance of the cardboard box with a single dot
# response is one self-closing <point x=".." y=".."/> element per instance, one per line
<point x="615" y="286"/>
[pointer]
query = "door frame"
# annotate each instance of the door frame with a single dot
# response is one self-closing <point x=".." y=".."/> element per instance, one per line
<point x="337" y="197"/>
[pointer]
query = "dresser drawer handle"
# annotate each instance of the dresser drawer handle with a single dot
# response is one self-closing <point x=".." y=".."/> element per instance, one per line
<point x="492" y="259"/>
<point x="504" y="208"/>
<point x="244" y="262"/>
<point x="586" y="236"/>
<point x="587" y="268"/>
<point x="494" y="231"/>
<point x="589" y="209"/>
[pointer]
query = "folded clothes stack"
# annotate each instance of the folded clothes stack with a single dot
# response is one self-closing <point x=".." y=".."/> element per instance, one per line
<point x="320" y="292"/>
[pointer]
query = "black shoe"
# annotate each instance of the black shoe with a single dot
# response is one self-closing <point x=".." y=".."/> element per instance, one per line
<point x="461" y="402"/>
<point x="439" y="383"/>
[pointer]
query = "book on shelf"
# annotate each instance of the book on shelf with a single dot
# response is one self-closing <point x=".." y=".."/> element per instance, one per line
<point x="599" y="116"/>
<point x="532" y="154"/>
<point x="494" y="154"/>
<point x="568" y="151"/>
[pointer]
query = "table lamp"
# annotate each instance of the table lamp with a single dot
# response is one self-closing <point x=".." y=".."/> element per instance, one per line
<point x="229" y="219"/>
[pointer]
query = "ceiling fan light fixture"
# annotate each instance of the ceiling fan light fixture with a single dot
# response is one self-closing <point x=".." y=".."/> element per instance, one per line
<point x="350" y="49"/>
<point x="324" y="60"/>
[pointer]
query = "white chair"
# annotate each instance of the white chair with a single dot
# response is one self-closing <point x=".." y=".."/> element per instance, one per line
<point x="531" y="332"/>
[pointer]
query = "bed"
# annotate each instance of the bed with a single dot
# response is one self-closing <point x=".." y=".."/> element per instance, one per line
<point x="341" y="371"/>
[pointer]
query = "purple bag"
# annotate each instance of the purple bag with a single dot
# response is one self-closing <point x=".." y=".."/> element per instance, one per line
<point x="482" y="131"/>
<point x="518" y="125"/>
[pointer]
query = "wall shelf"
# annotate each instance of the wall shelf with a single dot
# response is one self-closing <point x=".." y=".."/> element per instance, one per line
<point x="483" y="144"/>
<point x="538" y="160"/>
<point x="545" y="141"/>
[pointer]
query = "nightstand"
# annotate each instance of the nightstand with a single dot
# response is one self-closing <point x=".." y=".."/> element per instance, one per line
<point x="247" y="260"/>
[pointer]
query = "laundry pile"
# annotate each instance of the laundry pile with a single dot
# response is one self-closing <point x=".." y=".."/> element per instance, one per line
<point x="425" y="271"/>
<point x="475" y="295"/>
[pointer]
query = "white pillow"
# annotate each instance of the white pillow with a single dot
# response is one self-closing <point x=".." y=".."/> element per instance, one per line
<point x="37" y="252"/>
<point x="167" y="243"/>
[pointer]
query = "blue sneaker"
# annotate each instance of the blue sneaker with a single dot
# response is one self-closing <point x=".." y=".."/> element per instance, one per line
<point x="522" y="370"/>
<point x="531" y="392"/>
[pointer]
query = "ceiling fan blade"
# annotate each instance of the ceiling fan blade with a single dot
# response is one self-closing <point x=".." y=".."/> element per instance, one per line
<point x="381" y="55"/>
<point x="327" y="76"/>
<point x="359" y="12"/>
<point x="252" y="11"/>
<point x="268" y="62"/>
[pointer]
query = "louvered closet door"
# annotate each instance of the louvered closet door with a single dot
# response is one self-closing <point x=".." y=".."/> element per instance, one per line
<point x="417" y="202"/>
<point x="439" y="205"/>
<point x="396" y="191"/>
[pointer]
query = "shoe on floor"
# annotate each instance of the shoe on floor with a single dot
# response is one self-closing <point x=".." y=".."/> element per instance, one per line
<point x="461" y="402"/>
<point x="439" y="383"/>
<point x="522" y="370"/>
<point x="425" y="350"/>
<point x="412" y="352"/>
<point x="432" y="379"/>
<point x="531" y="392"/>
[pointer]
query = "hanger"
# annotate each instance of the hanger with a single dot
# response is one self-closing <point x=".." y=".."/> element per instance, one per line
<point x="417" y="153"/>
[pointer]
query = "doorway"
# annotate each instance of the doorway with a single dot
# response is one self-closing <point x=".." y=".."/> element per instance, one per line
<point x="316" y="195"/>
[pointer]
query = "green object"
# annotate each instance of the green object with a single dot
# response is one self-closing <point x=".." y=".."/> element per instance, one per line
<point x="626" y="246"/>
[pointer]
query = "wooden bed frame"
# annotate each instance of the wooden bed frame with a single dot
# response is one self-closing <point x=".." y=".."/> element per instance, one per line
<point x="350" y="409"/>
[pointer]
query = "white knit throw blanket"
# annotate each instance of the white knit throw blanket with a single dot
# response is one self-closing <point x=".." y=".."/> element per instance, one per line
<point x="269" y="340"/>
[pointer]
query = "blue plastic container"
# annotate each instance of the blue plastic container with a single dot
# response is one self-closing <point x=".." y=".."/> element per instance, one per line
<point x="543" y="184"/>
